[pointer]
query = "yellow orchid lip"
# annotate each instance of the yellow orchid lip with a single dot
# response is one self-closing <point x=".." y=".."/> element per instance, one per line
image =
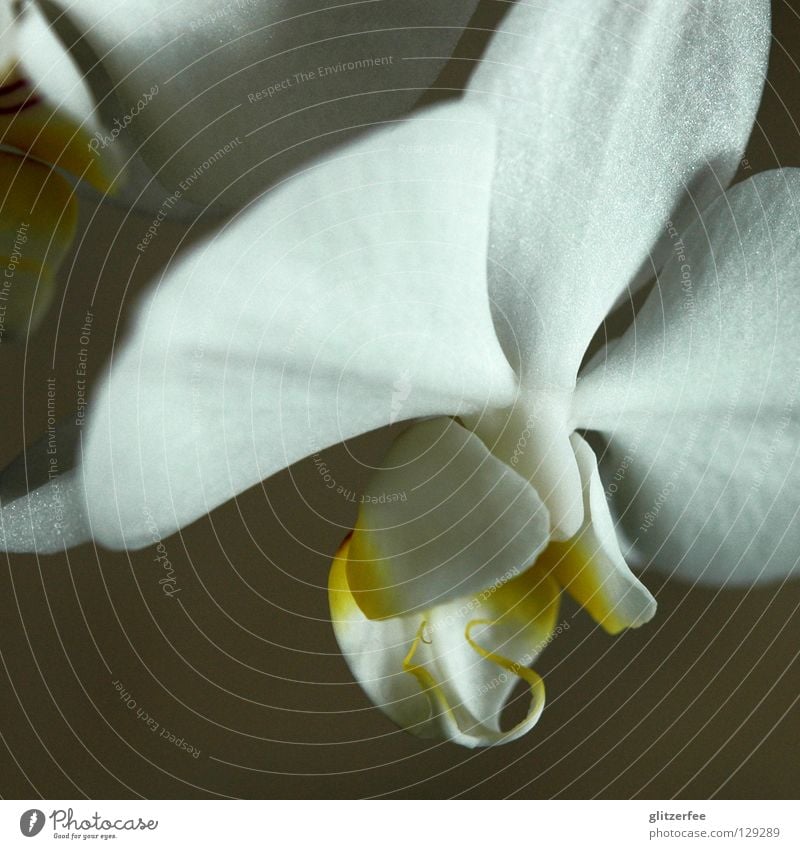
<point x="526" y="604"/>
<point x="340" y="595"/>
<point x="367" y="584"/>
<point x="14" y="86"/>
<point x="516" y="621"/>
<point x="29" y="124"/>
<point x="38" y="218"/>
<point x="38" y="208"/>
<point x="573" y="566"/>
<point x="466" y="644"/>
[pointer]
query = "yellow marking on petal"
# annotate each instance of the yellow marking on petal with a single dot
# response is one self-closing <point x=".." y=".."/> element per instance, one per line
<point x="576" y="569"/>
<point x="526" y="603"/>
<point x="419" y="637"/>
<point x="11" y="262"/>
<point x="533" y="679"/>
<point x="340" y="599"/>
<point x="33" y="126"/>
<point x="530" y="601"/>
<point x="429" y="686"/>
<point x="445" y="713"/>
<point x="530" y="597"/>
<point x="38" y="218"/>
<point x="369" y="575"/>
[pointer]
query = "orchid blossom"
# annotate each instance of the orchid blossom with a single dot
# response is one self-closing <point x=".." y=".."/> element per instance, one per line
<point x="472" y="250"/>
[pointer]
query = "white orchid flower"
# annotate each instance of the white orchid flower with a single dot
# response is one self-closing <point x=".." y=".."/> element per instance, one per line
<point x="139" y="100"/>
<point x="468" y="255"/>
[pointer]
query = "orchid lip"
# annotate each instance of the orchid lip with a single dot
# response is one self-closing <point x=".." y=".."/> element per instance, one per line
<point x="417" y="568"/>
<point x="30" y="125"/>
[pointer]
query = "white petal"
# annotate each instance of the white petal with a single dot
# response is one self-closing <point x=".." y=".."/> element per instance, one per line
<point x="447" y="673"/>
<point x="591" y="566"/>
<point x="443" y="519"/>
<point x="255" y="72"/>
<point x="609" y="112"/>
<point x="352" y="295"/>
<point x="49" y="65"/>
<point x="700" y="397"/>
<point x="7" y="36"/>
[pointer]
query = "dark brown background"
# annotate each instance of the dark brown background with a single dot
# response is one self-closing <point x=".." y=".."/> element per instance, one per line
<point x="243" y="664"/>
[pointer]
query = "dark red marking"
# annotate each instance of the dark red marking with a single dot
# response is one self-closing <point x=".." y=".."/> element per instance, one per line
<point x="15" y="86"/>
<point x="20" y="107"/>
